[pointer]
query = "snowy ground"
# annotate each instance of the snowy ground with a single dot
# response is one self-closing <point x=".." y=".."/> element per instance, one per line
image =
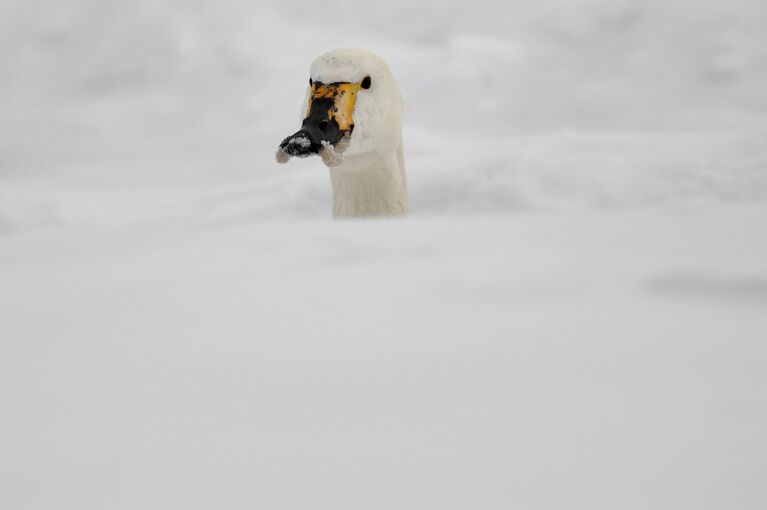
<point x="575" y="315"/>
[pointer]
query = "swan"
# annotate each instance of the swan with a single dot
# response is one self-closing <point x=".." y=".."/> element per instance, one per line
<point x="353" y="121"/>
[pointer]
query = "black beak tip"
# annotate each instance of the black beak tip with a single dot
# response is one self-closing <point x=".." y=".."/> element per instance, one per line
<point x="299" y="144"/>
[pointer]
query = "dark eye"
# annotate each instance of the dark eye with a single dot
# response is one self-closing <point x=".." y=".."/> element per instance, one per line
<point x="324" y="124"/>
<point x="366" y="83"/>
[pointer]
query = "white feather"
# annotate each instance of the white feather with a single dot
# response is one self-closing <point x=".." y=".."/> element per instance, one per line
<point x="371" y="180"/>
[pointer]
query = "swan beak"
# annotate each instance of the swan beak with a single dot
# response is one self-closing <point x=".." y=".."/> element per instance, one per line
<point x="336" y="101"/>
<point x="328" y="125"/>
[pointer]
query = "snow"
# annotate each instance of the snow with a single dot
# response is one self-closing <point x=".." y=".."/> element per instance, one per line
<point x="574" y="315"/>
<point x="301" y="142"/>
<point x="296" y="144"/>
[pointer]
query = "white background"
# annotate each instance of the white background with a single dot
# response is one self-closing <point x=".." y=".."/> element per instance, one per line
<point x="574" y="315"/>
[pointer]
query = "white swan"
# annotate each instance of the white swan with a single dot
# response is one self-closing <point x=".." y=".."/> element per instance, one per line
<point x="353" y="120"/>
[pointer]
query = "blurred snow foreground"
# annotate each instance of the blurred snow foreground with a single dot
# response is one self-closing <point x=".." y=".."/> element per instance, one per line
<point x="574" y="315"/>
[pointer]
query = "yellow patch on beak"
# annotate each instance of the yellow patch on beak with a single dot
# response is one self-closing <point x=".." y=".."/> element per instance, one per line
<point x="344" y="96"/>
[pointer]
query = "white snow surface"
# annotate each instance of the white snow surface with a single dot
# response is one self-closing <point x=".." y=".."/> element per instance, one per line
<point x="574" y="315"/>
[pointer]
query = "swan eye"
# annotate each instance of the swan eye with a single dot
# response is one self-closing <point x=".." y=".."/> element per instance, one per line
<point x="366" y="83"/>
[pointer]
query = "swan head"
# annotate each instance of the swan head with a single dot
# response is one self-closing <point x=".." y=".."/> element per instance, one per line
<point x="352" y="107"/>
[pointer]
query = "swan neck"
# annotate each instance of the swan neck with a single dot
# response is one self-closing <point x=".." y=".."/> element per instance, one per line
<point x="370" y="185"/>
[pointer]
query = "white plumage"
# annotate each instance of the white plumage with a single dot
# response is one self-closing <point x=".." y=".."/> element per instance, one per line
<point x="370" y="180"/>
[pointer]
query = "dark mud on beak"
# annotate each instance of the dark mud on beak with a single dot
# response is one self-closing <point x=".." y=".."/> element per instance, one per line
<point x="318" y="128"/>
